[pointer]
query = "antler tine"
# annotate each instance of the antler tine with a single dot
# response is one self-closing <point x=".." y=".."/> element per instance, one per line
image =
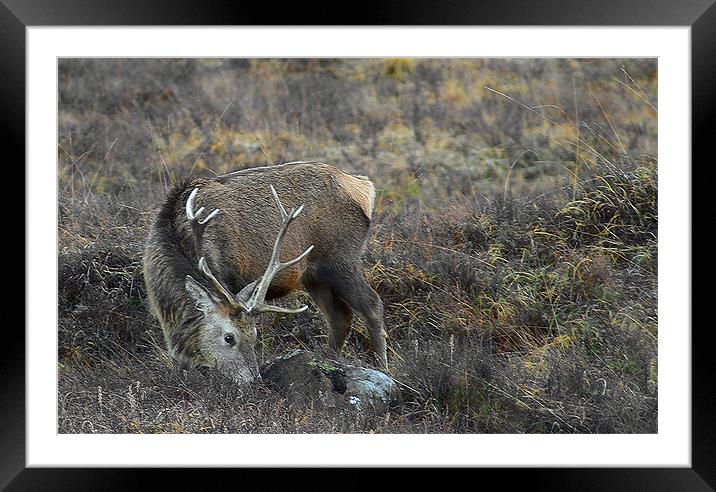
<point x="197" y="225"/>
<point x="193" y="215"/>
<point x="278" y="202"/>
<point x="256" y="301"/>
<point x="269" y="308"/>
<point x="190" y="205"/>
<point x="208" y="217"/>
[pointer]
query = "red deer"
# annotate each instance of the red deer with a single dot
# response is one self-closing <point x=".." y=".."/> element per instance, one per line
<point x="209" y="274"/>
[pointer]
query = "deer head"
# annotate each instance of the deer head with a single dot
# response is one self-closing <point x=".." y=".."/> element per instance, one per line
<point x="227" y="334"/>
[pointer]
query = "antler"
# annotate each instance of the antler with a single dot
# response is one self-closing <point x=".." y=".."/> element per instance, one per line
<point x="251" y="298"/>
<point x="215" y="282"/>
<point x="257" y="289"/>
<point x="198" y="227"/>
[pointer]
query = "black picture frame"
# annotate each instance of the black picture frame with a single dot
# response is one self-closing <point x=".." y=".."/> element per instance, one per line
<point x="16" y="15"/>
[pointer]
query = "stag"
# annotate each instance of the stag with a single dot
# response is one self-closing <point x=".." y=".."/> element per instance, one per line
<point x="194" y="261"/>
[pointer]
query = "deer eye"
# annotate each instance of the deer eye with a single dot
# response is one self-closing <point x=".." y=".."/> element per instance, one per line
<point x="229" y="338"/>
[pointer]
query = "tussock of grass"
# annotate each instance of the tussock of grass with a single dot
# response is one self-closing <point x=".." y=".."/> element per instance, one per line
<point x="519" y="288"/>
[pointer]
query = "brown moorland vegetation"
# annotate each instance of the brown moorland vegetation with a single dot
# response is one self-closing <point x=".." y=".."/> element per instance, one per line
<point x="514" y="242"/>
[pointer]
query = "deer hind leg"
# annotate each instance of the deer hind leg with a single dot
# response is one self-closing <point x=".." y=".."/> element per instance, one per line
<point x="369" y="305"/>
<point x="347" y="286"/>
<point x="338" y="314"/>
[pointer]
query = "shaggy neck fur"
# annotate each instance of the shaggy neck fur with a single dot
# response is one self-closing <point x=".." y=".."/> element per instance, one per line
<point x="169" y="257"/>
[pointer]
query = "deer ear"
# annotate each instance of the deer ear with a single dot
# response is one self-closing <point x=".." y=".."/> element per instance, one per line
<point x="246" y="292"/>
<point x="201" y="297"/>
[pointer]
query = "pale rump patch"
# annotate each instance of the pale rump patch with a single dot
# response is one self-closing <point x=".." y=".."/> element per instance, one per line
<point x="360" y="189"/>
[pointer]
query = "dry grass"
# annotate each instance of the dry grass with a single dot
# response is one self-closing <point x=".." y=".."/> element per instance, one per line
<point x="514" y="245"/>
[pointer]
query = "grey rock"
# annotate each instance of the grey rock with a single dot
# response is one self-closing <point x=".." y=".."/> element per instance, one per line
<point x="305" y="378"/>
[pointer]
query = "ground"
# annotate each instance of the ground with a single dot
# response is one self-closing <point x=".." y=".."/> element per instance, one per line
<point x="514" y="240"/>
